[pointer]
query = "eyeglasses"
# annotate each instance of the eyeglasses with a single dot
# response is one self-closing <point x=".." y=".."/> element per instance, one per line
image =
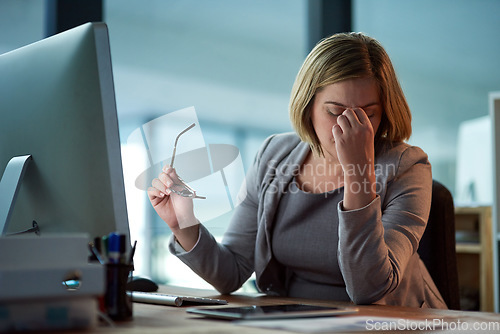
<point x="182" y="189"/>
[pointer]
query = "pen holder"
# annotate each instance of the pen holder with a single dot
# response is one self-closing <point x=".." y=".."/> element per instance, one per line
<point x="117" y="302"/>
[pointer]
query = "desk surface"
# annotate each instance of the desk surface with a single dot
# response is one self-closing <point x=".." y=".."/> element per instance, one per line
<point x="158" y="319"/>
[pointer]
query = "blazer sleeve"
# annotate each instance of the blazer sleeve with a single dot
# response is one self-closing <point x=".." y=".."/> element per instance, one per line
<point x="377" y="241"/>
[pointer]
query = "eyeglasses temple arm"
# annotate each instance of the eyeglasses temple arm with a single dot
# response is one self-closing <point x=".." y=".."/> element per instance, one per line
<point x="175" y="143"/>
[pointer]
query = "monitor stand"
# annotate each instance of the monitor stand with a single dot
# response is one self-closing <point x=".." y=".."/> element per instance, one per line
<point x="9" y="188"/>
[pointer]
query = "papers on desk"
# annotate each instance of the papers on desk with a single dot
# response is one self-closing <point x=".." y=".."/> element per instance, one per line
<point x="342" y="324"/>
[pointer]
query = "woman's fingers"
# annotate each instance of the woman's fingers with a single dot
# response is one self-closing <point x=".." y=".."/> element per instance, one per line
<point x="343" y="122"/>
<point x="336" y="131"/>
<point x="166" y="180"/>
<point x="155" y="193"/>
<point x="355" y="119"/>
<point x="361" y="116"/>
<point x="161" y="186"/>
<point x="167" y="169"/>
<point x="172" y="175"/>
<point x="352" y="117"/>
<point x="348" y="120"/>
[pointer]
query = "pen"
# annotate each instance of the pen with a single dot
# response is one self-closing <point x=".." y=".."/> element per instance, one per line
<point x="114" y="248"/>
<point x="98" y="244"/>
<point x="96" y="253"/>
<point x="104" y="245"/>
<point x="132" y="252"/>
<point x="123" y="247"/>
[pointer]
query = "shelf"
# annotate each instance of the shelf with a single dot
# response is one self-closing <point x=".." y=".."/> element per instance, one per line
<point x="469" y="248"/>
<point x="474" y="256"/>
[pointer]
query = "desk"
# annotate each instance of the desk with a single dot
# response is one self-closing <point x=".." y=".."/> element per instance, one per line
<point x="175" y="320"/>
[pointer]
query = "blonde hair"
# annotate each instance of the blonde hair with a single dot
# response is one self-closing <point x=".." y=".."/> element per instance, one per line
<point x="346" y="56"/>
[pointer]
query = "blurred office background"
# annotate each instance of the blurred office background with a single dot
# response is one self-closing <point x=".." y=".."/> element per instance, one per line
<point x="235" y="62"/>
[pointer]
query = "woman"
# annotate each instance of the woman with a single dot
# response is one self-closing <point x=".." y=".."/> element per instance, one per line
<point x="333" y="211"/>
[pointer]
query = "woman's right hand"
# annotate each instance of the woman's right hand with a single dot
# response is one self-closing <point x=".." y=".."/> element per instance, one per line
<point x="177" y="211"/>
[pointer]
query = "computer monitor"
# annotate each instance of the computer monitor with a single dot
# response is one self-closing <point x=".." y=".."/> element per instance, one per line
<point x="57" y="104"/>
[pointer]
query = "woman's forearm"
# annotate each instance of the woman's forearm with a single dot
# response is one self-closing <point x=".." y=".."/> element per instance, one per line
<point x="187" y="237"/>
<point x="359" y="187"/>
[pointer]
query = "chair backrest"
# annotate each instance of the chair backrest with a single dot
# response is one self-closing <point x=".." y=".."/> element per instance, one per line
<point x="437" y="246"/>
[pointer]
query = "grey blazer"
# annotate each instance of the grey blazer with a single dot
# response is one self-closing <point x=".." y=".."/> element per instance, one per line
<point x="377" y="250"/>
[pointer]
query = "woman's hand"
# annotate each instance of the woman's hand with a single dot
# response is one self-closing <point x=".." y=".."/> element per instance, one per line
<point x="354" y="142"/>
<point x="354" y="139"/>
<point x="177" y="211"/>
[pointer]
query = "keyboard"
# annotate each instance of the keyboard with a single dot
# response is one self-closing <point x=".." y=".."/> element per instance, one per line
<point x="172" y="300"/>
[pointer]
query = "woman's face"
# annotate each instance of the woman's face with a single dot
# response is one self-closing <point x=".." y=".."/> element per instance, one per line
<point x="331" y="101"/>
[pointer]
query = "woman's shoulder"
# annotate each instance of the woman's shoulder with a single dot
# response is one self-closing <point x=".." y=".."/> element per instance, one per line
<point x="398" y="157"/>
<point x="284" y="151"/>
<point x="290" y="139"/>
<point x="280" y="145"/>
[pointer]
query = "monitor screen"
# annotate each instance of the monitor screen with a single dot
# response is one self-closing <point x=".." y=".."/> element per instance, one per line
<point x="58" y="105"/>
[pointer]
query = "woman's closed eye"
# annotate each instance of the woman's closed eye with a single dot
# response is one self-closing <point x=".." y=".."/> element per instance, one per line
<point x="370" y="111"/>
<point x="335" y="111"/>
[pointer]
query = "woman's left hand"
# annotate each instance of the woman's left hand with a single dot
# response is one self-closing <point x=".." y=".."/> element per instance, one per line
<point x="354" y="140"/>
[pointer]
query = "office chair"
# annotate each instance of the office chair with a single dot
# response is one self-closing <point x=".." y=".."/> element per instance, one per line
<point x="437" y="246"/>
